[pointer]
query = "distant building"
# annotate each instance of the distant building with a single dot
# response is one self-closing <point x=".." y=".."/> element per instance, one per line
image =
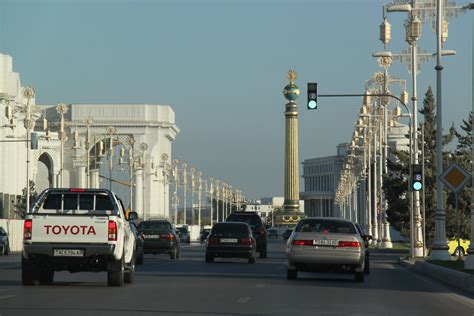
<point x="321" y="176"/>
<point x="266" y="206"/>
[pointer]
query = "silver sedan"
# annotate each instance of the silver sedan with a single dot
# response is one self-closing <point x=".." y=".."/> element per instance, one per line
<point x="321" y="244"/>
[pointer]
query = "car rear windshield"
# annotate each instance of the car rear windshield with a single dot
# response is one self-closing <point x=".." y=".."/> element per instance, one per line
<point x="154" y="225"/>
<point x="325" y="226"/>
<point x="183" y="229"/>
<point x="234" y="228"/>
<point x="76" y="203"/>
<point x="252" y="220"/>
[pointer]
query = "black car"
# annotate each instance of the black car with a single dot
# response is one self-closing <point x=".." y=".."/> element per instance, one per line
<point x="204" y="233"/>
<point x="231" y="240"/>
<point x="366" y="239"/>
<point x="272" y="233"/>
<point x="287" y="234"/>
<point x="184" y="234"/>
<point x="256" y="224"/>
<point x="160" y="237"/>
<point x="4" y="242"/>
<point x="140" y="240"/>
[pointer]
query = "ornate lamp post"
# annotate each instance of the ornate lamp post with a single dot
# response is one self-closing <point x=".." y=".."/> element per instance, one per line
<point x="111" y="130"/>
<point x="199" y="174"/>
<point x="131" y="166"/>
<point x="88" y="121"/>
<point x="193" y="186"/>
<point x="62" y="109"/>
<point x="185" y="184"/>
<point x="217" y="199"/>
<point x="211" y="191"/>
<point x="175" y="194"/>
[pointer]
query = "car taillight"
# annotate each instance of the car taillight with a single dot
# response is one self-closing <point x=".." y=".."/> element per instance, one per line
<point x="297" y="242"/>
<point x="351" y="244"/>
<point x="27" y="229"/>
<point x="112" y="230"/>
<point x="212" y="241"/>
<point x="168" y="237"/>
<point x="246" y="241"/>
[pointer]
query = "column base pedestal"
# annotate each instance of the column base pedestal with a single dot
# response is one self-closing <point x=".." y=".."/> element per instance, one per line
<point x="439" y="254"/>
<point x="469" y="263"/>
<point x="387" y="244"/>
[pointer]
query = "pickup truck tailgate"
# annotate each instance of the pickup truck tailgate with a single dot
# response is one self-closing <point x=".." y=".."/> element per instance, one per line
<point x="70" y="229"/>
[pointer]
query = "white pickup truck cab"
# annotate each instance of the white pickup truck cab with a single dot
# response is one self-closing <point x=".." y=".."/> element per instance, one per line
<point x="78" y="230"/>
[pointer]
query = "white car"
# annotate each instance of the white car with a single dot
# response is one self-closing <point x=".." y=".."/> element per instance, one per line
<point x="78" y="230"/>
<point x="321" y="244"/>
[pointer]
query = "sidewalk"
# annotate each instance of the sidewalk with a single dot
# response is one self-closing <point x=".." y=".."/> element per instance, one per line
<point x="457" y="279"/>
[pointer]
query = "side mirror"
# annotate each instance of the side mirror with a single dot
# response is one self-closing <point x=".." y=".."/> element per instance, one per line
<point x="367" y="237"/>
<point x="132" y="216"/>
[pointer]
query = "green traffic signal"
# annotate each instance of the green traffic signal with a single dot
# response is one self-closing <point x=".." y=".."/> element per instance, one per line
<point x="416" y="177"/>
<point x="312" y="96"/>
<point x="312" y="105"/>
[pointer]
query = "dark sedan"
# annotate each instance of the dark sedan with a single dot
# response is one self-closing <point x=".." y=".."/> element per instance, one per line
<point x="231" y="240"/>
<point x="160" y="237"/>
<point x="139" y="242"/>
<point x="4" y="242"/>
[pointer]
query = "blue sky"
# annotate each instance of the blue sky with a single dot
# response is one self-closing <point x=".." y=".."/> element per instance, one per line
<point x="222" y="66"/>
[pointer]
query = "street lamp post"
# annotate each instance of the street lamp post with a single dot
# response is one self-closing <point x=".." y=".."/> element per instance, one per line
<point x="88" y="121"/>
<point x="111" y="130"/>
<point x="175" y="194"/>
<point x="199" y="197"/>
<point x="62" y="109"/>
<point x="185" y="184"/>
<point x="217" y="199"/>
<point x="192" y="170"/>
<point x="131" y="165"/>
<point x="211" y="191"/>
<point x="29" y="124"/>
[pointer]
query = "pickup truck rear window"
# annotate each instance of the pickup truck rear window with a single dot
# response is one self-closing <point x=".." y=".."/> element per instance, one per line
<point x="82" y="202"/>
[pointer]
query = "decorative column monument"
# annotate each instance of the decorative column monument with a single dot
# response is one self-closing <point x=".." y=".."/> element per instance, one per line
<point x="292" y="198"/>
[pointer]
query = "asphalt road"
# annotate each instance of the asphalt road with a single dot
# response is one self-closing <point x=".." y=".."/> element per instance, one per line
<point x="189" y="286"/>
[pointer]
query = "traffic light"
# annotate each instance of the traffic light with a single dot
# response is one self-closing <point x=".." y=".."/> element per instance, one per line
<point x="34" y="140"/>
<point x="312" y="96"/>
<point x="416" y="177"/>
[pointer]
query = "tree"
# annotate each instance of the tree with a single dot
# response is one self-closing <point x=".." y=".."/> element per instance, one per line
<point x="395" y="184"/>
<point x="20" y="206"/>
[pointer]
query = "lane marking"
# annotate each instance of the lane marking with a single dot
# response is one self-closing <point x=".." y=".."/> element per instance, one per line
<point x="6" y="296"/>
<point x="243" y="300"/>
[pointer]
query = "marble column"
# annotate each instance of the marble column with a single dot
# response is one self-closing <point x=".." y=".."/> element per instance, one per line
<point x="291" y="93"/>
<point x="138" y="194"/>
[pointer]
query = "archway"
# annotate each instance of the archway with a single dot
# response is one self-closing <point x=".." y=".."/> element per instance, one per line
<point x="45" y="173"/>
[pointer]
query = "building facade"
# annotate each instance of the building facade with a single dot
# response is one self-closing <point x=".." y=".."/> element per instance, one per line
<point x="90" y="155"/>
<point x="320" y="177"/>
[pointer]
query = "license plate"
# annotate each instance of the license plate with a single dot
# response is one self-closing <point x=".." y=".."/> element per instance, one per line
<point x="68" y="252"/>
<point x="229" y="240"/>
<point x="152" y="236"/>
<point x="326" y="242"/>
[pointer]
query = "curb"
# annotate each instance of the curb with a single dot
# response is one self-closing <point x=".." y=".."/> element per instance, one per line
<point x="457" y="279"/>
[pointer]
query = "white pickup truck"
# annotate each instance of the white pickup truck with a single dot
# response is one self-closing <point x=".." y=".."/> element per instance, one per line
<point x="78" y="230"/>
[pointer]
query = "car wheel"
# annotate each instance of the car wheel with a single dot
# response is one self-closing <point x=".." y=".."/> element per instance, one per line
<point x="2" y="250"/>
<point x="115" y="272"/>
<point x="291" y="274"/>
<point x="188" y="241"/>
<point x="252" y="260"/>
<point x="29" y="272"/>
<point x="359" y="276"/>
<point x="174" y="254"/>
<point x="209" y="258"/>
<point x="7" y="250"/>
<point x="129" y="273"/>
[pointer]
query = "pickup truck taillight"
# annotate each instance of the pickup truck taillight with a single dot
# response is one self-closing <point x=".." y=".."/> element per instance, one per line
<point x="27" y="229"/>
<point x="112" y="230"/>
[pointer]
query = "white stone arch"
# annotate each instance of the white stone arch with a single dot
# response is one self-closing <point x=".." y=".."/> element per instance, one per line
<point x="44" y="160"/>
